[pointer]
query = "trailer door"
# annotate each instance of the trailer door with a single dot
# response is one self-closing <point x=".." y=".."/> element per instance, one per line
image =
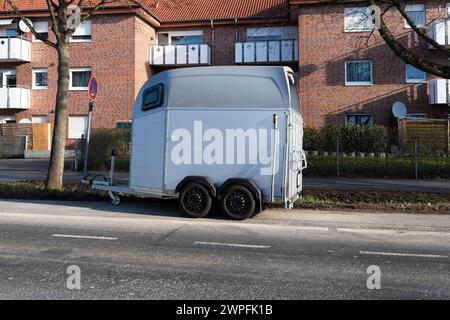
<point x="295" y="156"/>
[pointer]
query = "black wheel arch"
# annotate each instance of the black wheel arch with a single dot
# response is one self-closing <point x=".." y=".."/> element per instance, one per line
<point x="250" y="184"/>
<point x="204" y="181"/>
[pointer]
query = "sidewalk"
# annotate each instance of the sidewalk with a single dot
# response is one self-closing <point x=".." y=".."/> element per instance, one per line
<point x="367" y="221"/>
<point x="300" y="219"/>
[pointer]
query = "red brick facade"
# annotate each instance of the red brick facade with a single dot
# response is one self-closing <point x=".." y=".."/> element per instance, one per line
<point x="118" y="55"/>
<point x="324" y="47"/>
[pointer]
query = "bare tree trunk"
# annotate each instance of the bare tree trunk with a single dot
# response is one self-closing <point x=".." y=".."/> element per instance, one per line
<point x="56" y="166"/>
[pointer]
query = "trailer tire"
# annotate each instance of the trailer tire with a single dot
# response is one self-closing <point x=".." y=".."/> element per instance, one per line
<point x="238" y="202"/>
<point x="195" y="200"/>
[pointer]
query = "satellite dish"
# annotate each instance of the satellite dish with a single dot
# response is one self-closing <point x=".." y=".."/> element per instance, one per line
<point x="23" y="27"/>
<point x="399" y="110"/>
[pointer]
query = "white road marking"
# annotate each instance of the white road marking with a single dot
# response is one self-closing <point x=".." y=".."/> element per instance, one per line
<point x="231" y="244"/>
<point x="396" y="254"/>
<point x="82" y="237"/>
<point x="395" y="232"/>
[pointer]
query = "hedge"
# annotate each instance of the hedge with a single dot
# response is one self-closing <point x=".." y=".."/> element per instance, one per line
<point x="389" y="167"/>
<point x="101" y="144"/>
<point x="351" y="138"/>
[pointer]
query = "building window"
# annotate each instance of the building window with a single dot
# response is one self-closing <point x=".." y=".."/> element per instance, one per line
<point x="79" y="78"/>
<point x="153" y="97"/>
<point x="416" y="12"/>
<point x="39" y="119"/>
<point x="359" y="119"/>
<point x="357" y="20"/>
<point x="83" y="33"/>
<point x="123" y="124"/>
<point x="358" y="73"/>
<point x="414" y="75"/>
<point x="180" y="38"/>
<point x="77" y="126"/>
<point x="11" y="33"/>
<point x="40" y="79"/>
<point x="274" y="33"/>
<point x="41" y="28"/>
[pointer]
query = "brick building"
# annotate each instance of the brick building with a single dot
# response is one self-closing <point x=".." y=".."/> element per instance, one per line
<point x="350" y="75"/>
<point x="347" y="74"/>
<point x="124" y="45"/>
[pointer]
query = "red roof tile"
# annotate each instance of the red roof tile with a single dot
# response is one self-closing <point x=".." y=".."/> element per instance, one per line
<point x="184" y="10"/>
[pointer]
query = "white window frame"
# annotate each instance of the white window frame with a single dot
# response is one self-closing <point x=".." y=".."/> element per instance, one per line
<point x="34" y="86"/>
<point x="70" y="78"/>
<point x="78" y="33"/>
<point x="414" y="80"/>
<point x="359" y="83"/>
<point x="416" y="7"/>
<point x="70" y="132"/>
<point x="286" y="33"/>
<point x="171" y="34"/>
<point x="357" y="10"/>
<point x="39" y="27"/>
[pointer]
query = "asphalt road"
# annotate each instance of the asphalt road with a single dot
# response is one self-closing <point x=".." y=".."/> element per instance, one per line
<point x="149" y="251"/>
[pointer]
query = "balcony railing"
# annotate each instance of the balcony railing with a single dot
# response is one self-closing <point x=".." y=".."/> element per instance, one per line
<point x="440" y="32"/>
<point x="439" y="91"/>
<point x="273" y="51"/>
<point x="14" y="98"/>
<point x="194" y="54"/>
<point x="15" y="49"/>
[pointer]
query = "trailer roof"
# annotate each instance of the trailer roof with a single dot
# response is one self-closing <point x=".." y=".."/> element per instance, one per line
<point x="240" y="87"/>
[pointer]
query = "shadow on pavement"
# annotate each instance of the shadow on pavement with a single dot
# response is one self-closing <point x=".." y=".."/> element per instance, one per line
<point x="146" y="207"/>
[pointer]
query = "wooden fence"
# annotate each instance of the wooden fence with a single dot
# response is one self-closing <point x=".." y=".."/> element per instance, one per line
<point x="431" y="136"/>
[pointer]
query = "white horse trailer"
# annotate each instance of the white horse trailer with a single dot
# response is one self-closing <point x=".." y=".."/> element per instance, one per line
<point x="228" y="134"/>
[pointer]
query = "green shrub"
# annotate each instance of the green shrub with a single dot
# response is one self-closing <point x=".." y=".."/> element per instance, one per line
<point x="390" y="167"/>
<point x="351" y="138"/>
<point x="101" y="144"/>
<point x="312" y="139"/>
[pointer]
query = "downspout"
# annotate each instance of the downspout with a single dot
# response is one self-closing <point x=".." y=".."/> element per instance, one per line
<point x="212" y="41"/>
<point x="236" y="37"/>
<point x="237" y="29"/>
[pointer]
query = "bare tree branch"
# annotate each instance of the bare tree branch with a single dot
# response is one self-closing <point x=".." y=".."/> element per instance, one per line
<point x="407" y="55"/>
<point x="32" y="30"/>
<point x="418" y="30"/>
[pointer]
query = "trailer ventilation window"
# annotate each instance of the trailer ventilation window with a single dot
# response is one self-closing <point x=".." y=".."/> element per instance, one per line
<point x="153" y="97"/>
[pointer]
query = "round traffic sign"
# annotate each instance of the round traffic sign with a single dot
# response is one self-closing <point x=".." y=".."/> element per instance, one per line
<point x="93" y="88"/>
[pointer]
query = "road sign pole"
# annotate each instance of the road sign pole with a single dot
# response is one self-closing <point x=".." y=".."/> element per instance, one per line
<point x="92" y="93"/>
<point x="88" y="135"/>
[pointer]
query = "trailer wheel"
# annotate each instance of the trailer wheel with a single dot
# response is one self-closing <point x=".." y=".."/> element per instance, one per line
<point x="195" y="200"/>
<point x="115" y="201"/>
<point x="238" y="202"/>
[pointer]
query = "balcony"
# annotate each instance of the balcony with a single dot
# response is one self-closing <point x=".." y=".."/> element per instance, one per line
<point x="180" y="55"/>
<point x="14" y="49"/>
<point x="14" y="98"/>
<point x="273" y="51"/>
<point x="440" y="32"/>
<point x="438" y="91"/>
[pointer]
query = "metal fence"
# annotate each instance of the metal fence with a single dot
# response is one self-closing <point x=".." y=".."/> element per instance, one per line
<point x="419" y="163"/>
